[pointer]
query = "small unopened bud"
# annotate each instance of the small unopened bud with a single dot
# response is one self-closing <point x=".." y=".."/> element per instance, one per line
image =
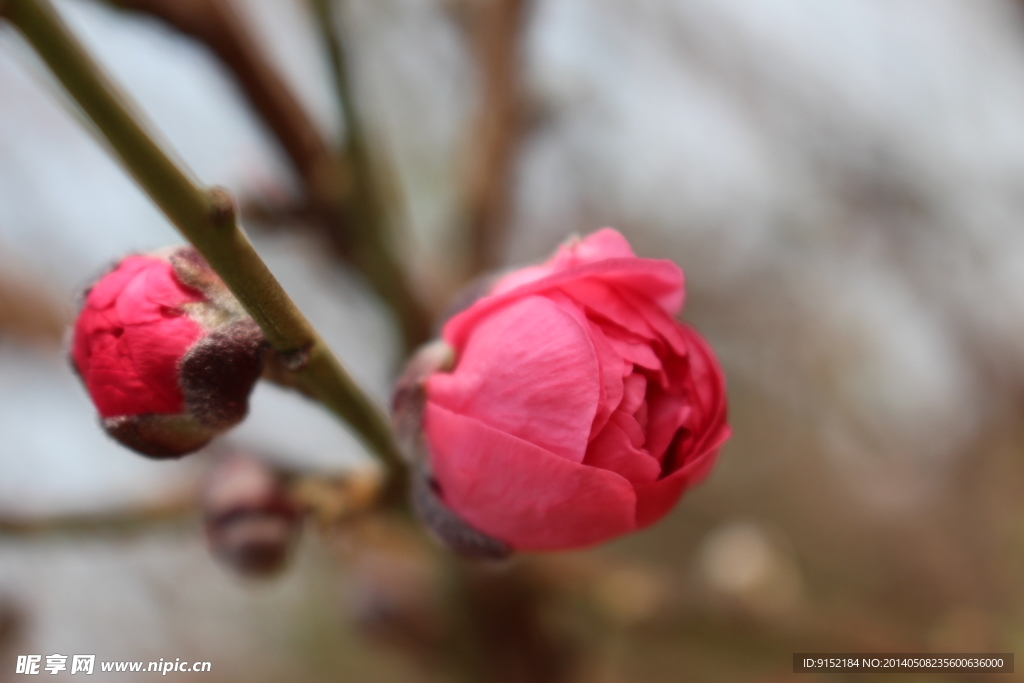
<point x="251" y="522"/>
<point x="167" y="354"/>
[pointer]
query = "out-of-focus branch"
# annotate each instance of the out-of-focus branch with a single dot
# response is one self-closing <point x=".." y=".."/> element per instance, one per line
<point x="504" y="623"/>
<point x="370" y="230"/>
<point x="338" y="187"/>
<point x="216" y="24"/>
<point x="206" y="217"/>
<point x="495" y="31"/>
<point x="27" y="310"/>
<point x="329" y="498"/>
<point x="122" y="520"/>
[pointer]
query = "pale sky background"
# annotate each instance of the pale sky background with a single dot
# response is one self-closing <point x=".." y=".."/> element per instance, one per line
<point x="842" y="182"/>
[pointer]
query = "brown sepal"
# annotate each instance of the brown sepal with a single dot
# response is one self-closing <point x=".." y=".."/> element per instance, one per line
<point x="218" y="373"/>
<point x="159" y="436"/>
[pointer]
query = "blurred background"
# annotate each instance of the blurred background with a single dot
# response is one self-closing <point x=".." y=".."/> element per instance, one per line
<point x="843" y="184"/>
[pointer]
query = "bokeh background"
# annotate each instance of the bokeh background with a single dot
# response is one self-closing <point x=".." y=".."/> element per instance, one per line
<point x="843" y="184"/>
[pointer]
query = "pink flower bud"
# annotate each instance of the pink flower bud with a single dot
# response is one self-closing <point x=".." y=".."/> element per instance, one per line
<point x="576" y="408"/>
<point x="251" y="522"/>
<point x="167" y="355"/>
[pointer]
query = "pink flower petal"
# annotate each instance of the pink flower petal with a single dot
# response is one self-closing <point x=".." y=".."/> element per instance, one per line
<point x="641" y="416"/>
<point x="707" y="387"/>
<point x="666" y="414"/>
<point x="521" y="494"/>
<point x="155" y="351"/>
<point x="604" y="244"/>
<point x="105" y="292"/>
<point x="636" y="353"/>
<point x="613" y="367"/>
<point x="599" y="246"/>
<point x="605" y="302"/>
<point x="520" y="278"/>
<point x="660" y="321"/>
<point x="616" y="449"/>
<point x="529" y="370"/>
<point x="661" y="281"/>
<point x="695" y="400"/>
<point x="153" y="295"/>
<point x="655" y="500"/>
<point x="635" y="390"/>
<point x="113" y="384"/>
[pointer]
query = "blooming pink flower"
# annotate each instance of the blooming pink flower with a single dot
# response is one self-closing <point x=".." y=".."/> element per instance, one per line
<point x="577" y="409"/>
<point x="166" y="354"/>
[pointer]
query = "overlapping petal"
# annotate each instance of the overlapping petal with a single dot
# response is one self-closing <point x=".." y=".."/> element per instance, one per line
<point x="520" y="493"/>
<point x="596" y="259"/>
<point x="579" y="409"/>
<point x="530" y="370"/>
<point x="130" y="336"/>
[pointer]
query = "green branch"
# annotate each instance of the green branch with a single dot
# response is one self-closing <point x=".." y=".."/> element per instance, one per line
<point x="206" y="217"/>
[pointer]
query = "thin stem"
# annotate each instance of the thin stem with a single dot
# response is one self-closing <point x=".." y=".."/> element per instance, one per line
<point x="218" y="25"/>
<point x="370" y="236"/>
<point x="124" y="520"/>
<point x="206" y="217"/>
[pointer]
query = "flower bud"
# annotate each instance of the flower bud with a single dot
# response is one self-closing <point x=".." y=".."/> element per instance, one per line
<point x="251" y="522"/>
<point x="167" y="354"/>
<point x="572" y="407"/>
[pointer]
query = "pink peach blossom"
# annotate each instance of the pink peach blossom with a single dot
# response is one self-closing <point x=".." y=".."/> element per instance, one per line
<point x="578" y="409"/>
